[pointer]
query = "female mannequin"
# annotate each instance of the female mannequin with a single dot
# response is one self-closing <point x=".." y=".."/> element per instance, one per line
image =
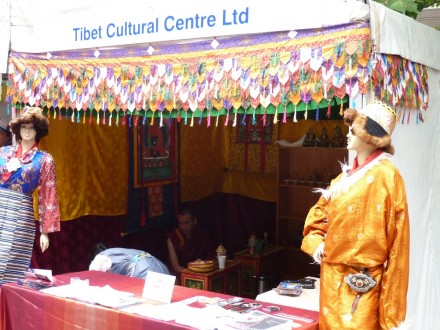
<point x="359" y="231"/>
<point x="24" y="168"/>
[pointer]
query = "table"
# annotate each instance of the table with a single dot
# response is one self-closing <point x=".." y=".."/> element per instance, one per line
<point x="309" y="298"/>
<point x="268" y="263"/>
<point x="23" y="308"/>
<point x="226" y="280"/>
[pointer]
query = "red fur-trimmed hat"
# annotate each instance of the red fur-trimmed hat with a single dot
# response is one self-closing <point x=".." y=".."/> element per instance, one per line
<point x="373" y="124"/>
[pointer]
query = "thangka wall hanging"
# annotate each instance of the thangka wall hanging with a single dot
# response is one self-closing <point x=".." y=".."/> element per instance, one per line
<point x="154" y="154"/>
<point x="272" y="73"/>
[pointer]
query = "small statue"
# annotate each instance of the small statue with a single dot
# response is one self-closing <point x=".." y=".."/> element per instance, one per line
<point x="266" y="236"/>
<point x="324" y="141"/>
<point x="309" y="140"/>
<point x="338" y="139"/>
<point x="252" y="242"/>
<point x="221" y="251"/>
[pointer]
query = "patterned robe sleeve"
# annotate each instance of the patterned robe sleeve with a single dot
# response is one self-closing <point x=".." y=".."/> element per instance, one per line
<point x="48" y="207"/>
<point x="315" y="227"/>
<point x="395" y="277"/>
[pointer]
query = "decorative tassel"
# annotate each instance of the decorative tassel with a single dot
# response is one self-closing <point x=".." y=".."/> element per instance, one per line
<point x="136" y="119"/>
<point x="328" y="110"/>
<point x="84" y="117"/>
<point x="275" y="117"/>
<point x="227" y="118"/>
<point x="103" y="118"/>
<point x="78" y="117"/>
<point x="285" y="114"/>
<point x="90" y="117"/>
<point x="208" y="119"/>
<point x="294" y="116"/>
<point x="144" y="120"/>
<point x="54" y="113"/>
<point x="60" y="116"/>
<point x="161" y="119"/>
<point x="72" y="118"/>
<point x="152" y="119"/>
<point x="305" y="113"/>
<point x="117" y="118"/>
<point x="97" y="118"/>
<point x="341" y="109"/>
<point x="200" y="118"/>
<point x="216" y="120"/>
<point x="264" y="118"/>
<point x="254" y="120"/>
<point x="110" y="118"/>
<point x="317" y="113"/>
<point x="192" y="120"/>
<point x="234" y="124"/>
<point x="243" y="121"/>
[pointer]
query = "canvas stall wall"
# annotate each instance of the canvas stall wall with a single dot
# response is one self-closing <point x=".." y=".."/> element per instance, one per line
<point x="417" y="151"/>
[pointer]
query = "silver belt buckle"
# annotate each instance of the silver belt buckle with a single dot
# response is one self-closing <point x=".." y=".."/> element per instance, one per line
<point x="360" y="282"/>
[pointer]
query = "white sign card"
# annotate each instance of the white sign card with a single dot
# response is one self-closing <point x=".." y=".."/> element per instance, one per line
<point x="159" y="287"/>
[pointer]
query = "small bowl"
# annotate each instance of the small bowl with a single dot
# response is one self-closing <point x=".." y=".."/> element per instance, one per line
<point x="201" y="266"/>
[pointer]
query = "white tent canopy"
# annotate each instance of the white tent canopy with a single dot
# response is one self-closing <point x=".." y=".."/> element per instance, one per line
<point x="51" y="25"/>
<point x="48" y="25"/>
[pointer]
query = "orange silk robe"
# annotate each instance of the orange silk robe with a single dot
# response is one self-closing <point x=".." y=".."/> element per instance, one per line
<point x="363" y="221"/>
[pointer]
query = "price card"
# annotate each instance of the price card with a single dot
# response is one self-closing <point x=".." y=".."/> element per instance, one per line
<point x="159" y="287"/>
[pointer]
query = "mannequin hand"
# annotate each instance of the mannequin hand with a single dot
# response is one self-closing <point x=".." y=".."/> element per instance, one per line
<point x="44" y="242"/>
<point x="319" y="253"/>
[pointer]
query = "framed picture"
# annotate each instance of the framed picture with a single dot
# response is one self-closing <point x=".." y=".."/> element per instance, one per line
<point x="154" y="154"/>
<point x="253" y="134"/>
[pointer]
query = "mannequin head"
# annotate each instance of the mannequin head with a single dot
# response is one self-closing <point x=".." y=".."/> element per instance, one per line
<point x="373" y="125"/>
<point x="33" y="119"/>
<point x="355" y="143"/>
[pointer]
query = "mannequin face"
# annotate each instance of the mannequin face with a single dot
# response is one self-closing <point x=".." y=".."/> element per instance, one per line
<point x="355" y="143"/>
<point x="28" y="132"/>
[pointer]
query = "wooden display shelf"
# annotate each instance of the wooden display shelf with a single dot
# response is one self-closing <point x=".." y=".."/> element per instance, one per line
<point x="300" y="171"/>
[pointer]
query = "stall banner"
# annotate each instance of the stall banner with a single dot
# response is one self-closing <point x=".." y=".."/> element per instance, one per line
<point x="84" y="24"/>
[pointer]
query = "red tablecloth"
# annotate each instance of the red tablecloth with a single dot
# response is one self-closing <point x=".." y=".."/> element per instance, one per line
<point x="23" y="308"/>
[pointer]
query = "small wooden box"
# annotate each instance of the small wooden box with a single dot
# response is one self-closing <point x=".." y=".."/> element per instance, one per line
<point x="226" y="280"/>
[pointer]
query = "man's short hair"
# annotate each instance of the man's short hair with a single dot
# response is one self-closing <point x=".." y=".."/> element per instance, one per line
<point x="187" y="211"/>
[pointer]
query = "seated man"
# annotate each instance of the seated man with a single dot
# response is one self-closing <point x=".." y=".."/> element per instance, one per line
<point x="130" y="262"/>
<point x="188" y="242"/>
